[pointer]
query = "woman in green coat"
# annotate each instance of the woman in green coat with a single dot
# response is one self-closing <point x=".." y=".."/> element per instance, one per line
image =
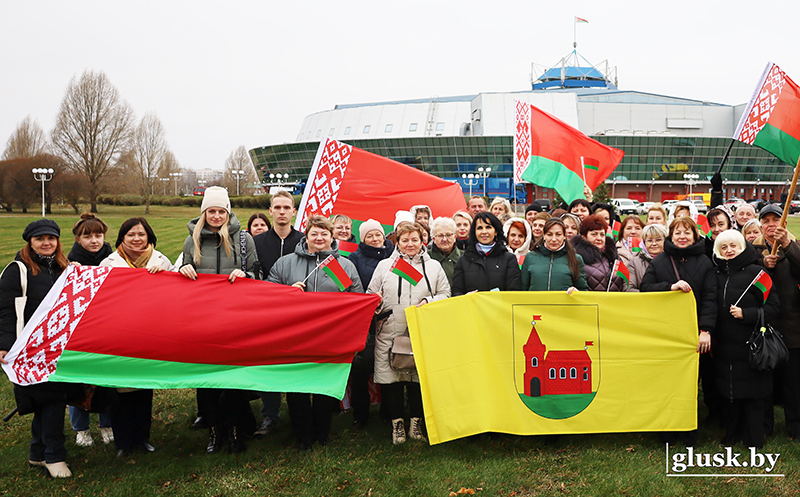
<point x="553" y="265"/>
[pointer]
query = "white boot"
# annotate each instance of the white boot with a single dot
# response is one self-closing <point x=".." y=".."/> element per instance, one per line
<point x="415" y="430"/>
<point x="398" y="431"/>
<point x="84" y="439"/>
<point x="59" y="470"/>
<point x="107" y="434"/>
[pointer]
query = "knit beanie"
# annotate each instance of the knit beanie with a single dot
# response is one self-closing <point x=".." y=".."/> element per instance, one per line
<point x="367" y="226"/>
<point x="401" y="216"/>
<point x="216" y="196"/>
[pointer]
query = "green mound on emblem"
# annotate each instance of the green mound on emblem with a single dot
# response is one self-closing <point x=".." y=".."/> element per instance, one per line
<point x="558" y="406"/>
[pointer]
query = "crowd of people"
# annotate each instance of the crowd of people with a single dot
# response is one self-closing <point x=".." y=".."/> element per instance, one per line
<point x="482" y="248"/>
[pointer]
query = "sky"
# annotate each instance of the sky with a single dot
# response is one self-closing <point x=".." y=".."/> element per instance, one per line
<point x="224" y="74"/>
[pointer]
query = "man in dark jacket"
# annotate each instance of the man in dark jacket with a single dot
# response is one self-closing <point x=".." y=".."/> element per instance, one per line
<point x="784" y="267"/>
<point x="271" y="246"/>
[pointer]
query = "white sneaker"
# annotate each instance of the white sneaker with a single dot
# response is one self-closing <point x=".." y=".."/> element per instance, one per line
<point x="107" y="434"/>
<point x="415" y="430"/>
<point x="398" y="431"/>
<point x="84" y="439"/>
<point x="59" y="469"/>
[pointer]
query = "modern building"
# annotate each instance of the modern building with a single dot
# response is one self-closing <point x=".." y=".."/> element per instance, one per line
<point x="664" y="137"/>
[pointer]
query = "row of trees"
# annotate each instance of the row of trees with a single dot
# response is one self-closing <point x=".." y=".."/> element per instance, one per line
<point x="96" y="142"/>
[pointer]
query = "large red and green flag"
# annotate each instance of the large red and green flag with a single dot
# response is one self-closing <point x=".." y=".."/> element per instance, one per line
<point x="347" y="180"/>
<point x="406" y="271"/>
<point x="346" y="248"/>
<point x="551" y="153"/>
<point x="336" y="272"/>
<point x="771" y="119"/>
<point x="190" y="334"/>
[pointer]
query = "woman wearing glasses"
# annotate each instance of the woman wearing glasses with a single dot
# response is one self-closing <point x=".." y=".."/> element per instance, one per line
<point x="653" y="236"/>
<point x="444" y="248"/>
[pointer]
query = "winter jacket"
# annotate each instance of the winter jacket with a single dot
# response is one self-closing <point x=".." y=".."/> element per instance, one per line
<point x="157" y="259"/>
<point x="85" y="258"/>
<point x="785" y="282"/>
<point x="526" y="247"/>
<point x="366" y="259"/>
<point x="623" y="253"/>
<point x="294" y="267"/>
<point x="270" y="247"/>
<point x="397" y="295"/>
<point x="497" y="269"/>
<point x="547" y="270"/>
<point x="213" y="259"/>
<point x="735" y="378"/>
<point x="598" y="264"/>
<point x="694" y="268"/>
<point x="637" y="267"/>
<point x="448" y="261"/>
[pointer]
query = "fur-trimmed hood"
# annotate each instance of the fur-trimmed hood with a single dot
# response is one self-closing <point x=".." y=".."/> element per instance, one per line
<point x="590" y="253"/>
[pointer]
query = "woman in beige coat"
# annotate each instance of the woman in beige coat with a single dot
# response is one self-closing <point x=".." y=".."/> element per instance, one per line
<point x="397" y="294"/>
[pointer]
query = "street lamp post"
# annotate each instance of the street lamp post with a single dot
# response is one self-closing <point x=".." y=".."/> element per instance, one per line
<point x="691" y="178"/>
<point x="43" y="175"/>
<point x="484" y="173"/>
<point x="175" y="176"/>
<point x="164" y="183"/>
<point x="239" y="174"/>
<point x="468" y="180"/>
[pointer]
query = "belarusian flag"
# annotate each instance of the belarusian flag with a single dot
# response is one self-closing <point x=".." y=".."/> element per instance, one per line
<point x="772" y="118"/>
<point x="764" y="283"/>
<point x="580" y="20"/>
<point x="361" y="185"/>
<point x="335" y="271"/>
<point x="621" y="270"/>
<point x="406" y="271"/>
<point x="190" y="334"/>
<point x="550" y="153"/>
<point x="703" y="225"/>
<point x="635" y="245"/>
<point x="613" y="230"/>
<point x="346" y="248"/>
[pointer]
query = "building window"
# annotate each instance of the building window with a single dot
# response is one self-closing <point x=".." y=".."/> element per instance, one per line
<point x="308" y="135"/>
<point x="366" y="129"/>
<point x="552" y="373"/>
<point x="562" y="373"/>
<point x="412" y="127"/>
<point x="439" y="126"/>
<point x="319" y="132"/>
<point x="585" y="376"/>
<point x="573" y="373"/>
<point x="330" y="133"/>
<point x="347" y="130"/>
<point x="388" y="128"/>
<point x="534" y="362"/>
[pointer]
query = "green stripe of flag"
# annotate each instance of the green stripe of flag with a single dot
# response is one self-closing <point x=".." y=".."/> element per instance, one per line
<point x="130" y="372"/>
<point x="404" y="276"/>
<point x="763" y="289"/>
<point x="594" y="168"/>
<point x="779" y="143"/>
<point x="551" y="174"/>
<point x="335" y="278"/>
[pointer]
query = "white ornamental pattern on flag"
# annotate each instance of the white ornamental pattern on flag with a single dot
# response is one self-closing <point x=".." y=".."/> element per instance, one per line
<point x="522" y="139"/>
<point x="327" y="181"/>
<point x="38" y="359"/>
<point x="761" y="106"/>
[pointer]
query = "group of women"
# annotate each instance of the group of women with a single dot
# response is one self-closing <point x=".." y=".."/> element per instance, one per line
<point x="455" y="256"/>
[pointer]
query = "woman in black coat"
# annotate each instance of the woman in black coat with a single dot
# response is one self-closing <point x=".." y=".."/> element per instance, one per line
<point x="684" y="253"/>
<point x="44" y="262"/>
<point x="599" y="253"/>
<point x="746" y="390"/>
<point x="486" y="264"/>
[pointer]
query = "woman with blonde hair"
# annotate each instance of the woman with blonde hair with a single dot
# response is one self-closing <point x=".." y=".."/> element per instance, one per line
<point x="656" y="214"/>
<point x="500" y="207"/>
<point x="752" y="230"/>
<point x="463" y="222"/>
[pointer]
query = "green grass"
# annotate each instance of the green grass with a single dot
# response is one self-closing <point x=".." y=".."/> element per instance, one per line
<point x="356" y="464"/>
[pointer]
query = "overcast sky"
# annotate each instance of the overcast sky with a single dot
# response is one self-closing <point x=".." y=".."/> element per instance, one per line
<point x="224" y="74"/>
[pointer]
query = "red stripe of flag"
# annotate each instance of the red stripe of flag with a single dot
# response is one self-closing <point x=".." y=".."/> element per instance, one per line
<point x="406" y="271"/>
<point x="336" y="272"/>
<point x="346" y="248"/>
<point x="764" y="283"/>
<point x="621" y="270"/>
<point x="703" y="226"/>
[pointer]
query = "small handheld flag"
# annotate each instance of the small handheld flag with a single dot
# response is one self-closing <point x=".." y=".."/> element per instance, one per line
<point x="520" y="260"/>
<point x="613" y="230"/>
<point x="635" y="244"/>
<point x="406" y="271"/>
<point x="762" y="281"/>
<point x="703" y="226"/>
<point x="346" y="248"/>
<point x="621" y="270"/>
<point x="332" y="268"/>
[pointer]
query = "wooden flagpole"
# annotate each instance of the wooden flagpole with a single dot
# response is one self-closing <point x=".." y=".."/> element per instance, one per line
<point x="787" y="206"/>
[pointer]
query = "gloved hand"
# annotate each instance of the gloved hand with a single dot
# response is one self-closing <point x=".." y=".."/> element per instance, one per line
<point x="716" y="182"/>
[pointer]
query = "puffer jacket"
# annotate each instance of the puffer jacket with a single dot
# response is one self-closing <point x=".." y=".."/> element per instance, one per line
<point x="637" y="267"/>
<point x="366" y="259"/>
<point x="526" y="247"/>
<point x="694" y="268"/>
<point x="786" y="284"/>
<point x="213" y="259"/>
<point x="483" y="272"/>
<point x="294" y="267"/>
<point x="397" y="295"/>
<point x="547" y="270"/>
<point x="448" y="261"/>
<point x="735" y="378"/>
<point x="598" y="264"/>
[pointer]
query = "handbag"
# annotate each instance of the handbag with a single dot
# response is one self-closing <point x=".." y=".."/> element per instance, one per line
<point x="19" y="302"/>
<point x="767" y="349"/>
<point x="401" y="356"/>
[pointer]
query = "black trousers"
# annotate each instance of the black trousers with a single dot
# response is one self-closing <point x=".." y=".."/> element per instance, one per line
<point x="311" y="418"/>
<point x="359" y="392"/>
<point x="392" y="399"/>
<point x="47" y="433"/>
<point x="744" y="420"/>
<point x="226" y="408"/>
<point x="132" y="418"/>
<point x="712" y="397"/>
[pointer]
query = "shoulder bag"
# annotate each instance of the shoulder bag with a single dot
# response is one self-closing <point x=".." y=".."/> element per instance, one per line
<point x="19" y="302"/>
<point x="767" y="349"/>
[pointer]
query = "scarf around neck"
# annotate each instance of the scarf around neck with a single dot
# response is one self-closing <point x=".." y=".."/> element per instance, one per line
<point x="140" y="261"/>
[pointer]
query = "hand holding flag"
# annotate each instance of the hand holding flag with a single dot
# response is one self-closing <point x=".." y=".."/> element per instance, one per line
<point x="762" y="281"/>
<point x="621" y="270"/>
<point x="330" y="266"/>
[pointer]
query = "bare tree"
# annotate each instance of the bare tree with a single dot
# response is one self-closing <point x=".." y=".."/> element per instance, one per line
<point x="149" y="150"/>
<point x="93" y="126"/>
<point x="19" y="186"/>
<point x="27" y="140"/>
<point x="239" y="160"/>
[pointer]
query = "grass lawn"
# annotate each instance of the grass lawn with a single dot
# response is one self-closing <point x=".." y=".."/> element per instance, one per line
<point x="363" y="464"/>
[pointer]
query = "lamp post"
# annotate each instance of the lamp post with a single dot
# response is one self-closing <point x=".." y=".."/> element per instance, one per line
<point x="484" y="173"/>
<point x="43" y="175"/>
<point x="239" y="174"/>
<point x="164" y="182"/>
<point x="468" y="180"/>
<point x="175" y="176"/>
<point x="691" y="178"/>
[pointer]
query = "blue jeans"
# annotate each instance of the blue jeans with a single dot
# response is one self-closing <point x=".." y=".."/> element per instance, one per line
<point x="80" y="419"/>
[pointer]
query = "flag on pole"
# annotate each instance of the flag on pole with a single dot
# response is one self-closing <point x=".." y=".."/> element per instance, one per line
<point x="406" y="271"/>
<point x="336" y="272"/>
<point x="550" y="153"/>
<point x="580" y="20"/>
<point x="621" y="270"/>
<point x="346" y="248"/>
<point x="77" y="334"/>
<point x="771" y="119"/>
<point x="635" y="245"/>
<point x="613" y="230"/>
<point x="703" y="225"/>
<point x="347" y="180"/>
<point x="764" y="283"/>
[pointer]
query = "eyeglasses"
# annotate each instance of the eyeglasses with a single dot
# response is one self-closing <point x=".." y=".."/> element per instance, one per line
<point x="441" y="236"/>
<point x="651" y="241"/>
